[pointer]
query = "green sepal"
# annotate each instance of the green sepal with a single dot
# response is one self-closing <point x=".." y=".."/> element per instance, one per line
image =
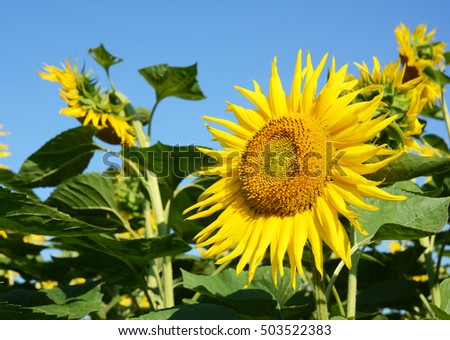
<point x="438" y="76"/>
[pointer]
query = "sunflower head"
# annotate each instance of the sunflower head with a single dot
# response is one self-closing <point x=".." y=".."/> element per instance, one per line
<point x="289" y="168"/>
<point x="402" y="99"/>
<point x="418" y="51"/>
<point x="90" y="105"/>
<point x="3" y="148"/>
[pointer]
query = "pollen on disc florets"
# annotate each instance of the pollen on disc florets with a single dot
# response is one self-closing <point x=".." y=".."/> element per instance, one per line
<point x="283" y="168"/>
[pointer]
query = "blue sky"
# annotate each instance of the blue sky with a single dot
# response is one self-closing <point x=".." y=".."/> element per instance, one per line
<point x="232" y="41"/>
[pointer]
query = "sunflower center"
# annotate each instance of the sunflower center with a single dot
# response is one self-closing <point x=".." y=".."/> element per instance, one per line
<point x="283" y="168"/>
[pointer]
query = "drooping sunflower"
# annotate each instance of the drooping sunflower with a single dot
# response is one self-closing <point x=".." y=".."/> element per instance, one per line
<point x="3" y="148"/>
<point x="90" y="105"/>
<point x="289" y="168"/>
<point x="399" y="98"/>
<point x="418" y="51"/>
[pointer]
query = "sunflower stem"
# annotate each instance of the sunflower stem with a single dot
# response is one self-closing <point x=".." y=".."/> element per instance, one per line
<point x="333" y="289"/>
<point x="321" y="312"/>
<point x="159" y="214"/>
<point x="352" y="280"/>
<point x="445" y="112"/>
<point x="428" y="243"/>
<point x="152" y="112"/>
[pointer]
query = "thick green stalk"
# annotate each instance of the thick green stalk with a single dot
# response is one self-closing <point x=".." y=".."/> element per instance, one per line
<point x="351" y="293"/>
<point x="352" y="280"/>
<point x="160" y="217"/>
<point x="428" y="243"/>
<point x="445" y="112"/>
<point x="321" y="312"/>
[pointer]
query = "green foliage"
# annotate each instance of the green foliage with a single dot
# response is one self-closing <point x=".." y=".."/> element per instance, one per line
<point x="203" y="311"/>
<point x="416" y="217"/>
<point x="436" y="75"/>
<point x="19" y="213"/>
<point x="261" y="299"/>
<point x="409" y="166"/>
<point x="170" y="81"/>
<point x="89" y="197"/>
<point x="115" y="247"/>
<point x="65" y="155"/>
<point x="103" y="57"/>
<point x="71" y="302"/>
<point x="171" y="164"/>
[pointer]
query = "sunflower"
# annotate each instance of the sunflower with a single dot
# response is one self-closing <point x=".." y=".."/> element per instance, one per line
<point x="89" y="105"/>
<point x="418" y="51"/>
<point x="400" y="98"/>
<point x="3" y="148"/>
<point x="289" y="167"/>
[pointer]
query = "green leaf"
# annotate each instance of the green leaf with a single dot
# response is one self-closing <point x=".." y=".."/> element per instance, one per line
<point x="438" y="76"/>
<point x="221" y="285"/>
<point x="263" y="280"/>
<point x="64" y="156"/>
<point x="228" y="289"/>
<point x="418" y="216"/>
<point x="121" y="262"/>
<point x="260" y="298"/>
<point x="440" y="314"/>
<point x="183" y="199"/>
<point x="138" y="252"/>
<point x="409" y="166"/>
<point x="439" y="182"/>
<point x="171" y="164"/>
<point x="169" y="81"/>
<point x="15" y="312"/>
<point x="18" y="213"/>
<point x="389" y="294"/>
<point x="433" y="112"/>
<point x="6" y="176"/>
<point x="436" y="142"/>
<point x="447" y="57"/>
<point x="73" y="302"/>
<point x="103" y="57"/>
<point x="202" y="311"/>
<point x="444" y="289"/>
<point x="88" y="197"/>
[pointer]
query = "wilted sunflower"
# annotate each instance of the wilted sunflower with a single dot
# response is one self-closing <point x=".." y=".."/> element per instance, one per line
<point x="289" y="168"/>
<point x="89" y="105"/>
<point x="3" y="148"/>
<point x="399" y="98"/>
<point x="418" y="51"/>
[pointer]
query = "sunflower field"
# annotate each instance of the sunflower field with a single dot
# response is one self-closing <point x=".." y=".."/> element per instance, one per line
<point x="324" y="198"/>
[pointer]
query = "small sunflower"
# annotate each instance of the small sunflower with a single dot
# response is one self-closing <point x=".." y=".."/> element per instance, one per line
<point x="418" y="51"/>
<point x="89" y="105"/>
<point x="399" y="98"/>
<point x="3" y="148"/>
<point x="289" y="168"/>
